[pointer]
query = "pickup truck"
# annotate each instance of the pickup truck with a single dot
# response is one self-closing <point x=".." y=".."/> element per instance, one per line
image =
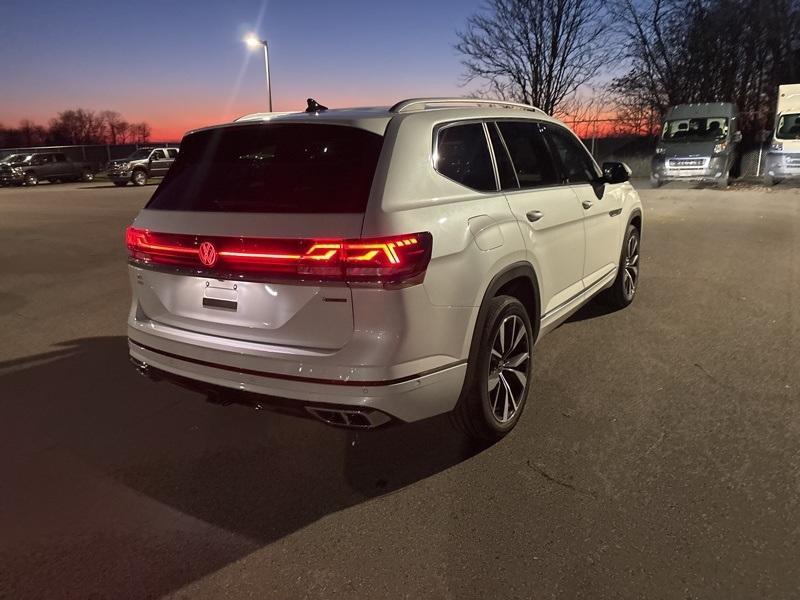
<point x="141" y="166"/>
<point x="30" y="169"/>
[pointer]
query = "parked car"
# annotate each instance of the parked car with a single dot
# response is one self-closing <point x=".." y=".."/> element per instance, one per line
<point x="377" y="264"/>
<point x="5" y="178"/>
<point x="699" y="142"/>
<point x="143" y="164"/>
<point x="30" y="169"/>
<point x="783" y="157"/>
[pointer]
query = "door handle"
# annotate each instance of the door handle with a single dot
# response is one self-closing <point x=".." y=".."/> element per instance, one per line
<point x="534" y="215"/>
<point x="587" y="204"/>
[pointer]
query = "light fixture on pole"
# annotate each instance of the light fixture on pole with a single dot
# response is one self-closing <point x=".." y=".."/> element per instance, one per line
<point x="253" y="42"/>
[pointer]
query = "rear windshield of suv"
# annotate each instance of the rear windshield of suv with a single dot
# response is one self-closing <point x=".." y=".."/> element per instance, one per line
<point x="272" y="168"/>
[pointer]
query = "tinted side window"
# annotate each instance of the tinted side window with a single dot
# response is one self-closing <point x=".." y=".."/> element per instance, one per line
<point x="463" y="155"/>
<point x="158" y="155"/>
<point x="505" y="169"/>
<point x="172" y="153"/>
<point x="59" y="158"/>
<point x="578" y="166"/>
<point x="529" y="153"/>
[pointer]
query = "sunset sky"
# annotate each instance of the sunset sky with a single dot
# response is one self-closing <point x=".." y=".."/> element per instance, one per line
<point x="181" y="64"/>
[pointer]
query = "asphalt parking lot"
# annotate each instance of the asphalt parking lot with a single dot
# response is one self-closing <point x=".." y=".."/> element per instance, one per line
<point x="659" y="455"/>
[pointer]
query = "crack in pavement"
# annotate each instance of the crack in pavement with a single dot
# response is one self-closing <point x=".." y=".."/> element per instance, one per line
<point x="560" y="482"/>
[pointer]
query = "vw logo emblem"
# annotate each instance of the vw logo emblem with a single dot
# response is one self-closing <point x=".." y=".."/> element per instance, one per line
<point x="207" y="254"/>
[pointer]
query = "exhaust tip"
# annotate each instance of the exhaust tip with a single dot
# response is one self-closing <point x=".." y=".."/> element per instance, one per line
<point x="358" y="419"/>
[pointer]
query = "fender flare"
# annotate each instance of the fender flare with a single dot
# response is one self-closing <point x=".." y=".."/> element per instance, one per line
<point x="509" y="273"/>
<point x="636" y="212"/>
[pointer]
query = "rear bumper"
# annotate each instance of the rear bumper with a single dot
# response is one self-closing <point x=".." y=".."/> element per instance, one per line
<point x="410" y="398"/>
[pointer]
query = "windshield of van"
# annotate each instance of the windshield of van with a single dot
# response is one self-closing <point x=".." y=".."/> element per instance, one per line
<point x="275" y="168"/>
<point x="695" y="130"/>
<point x="788" y="127"/>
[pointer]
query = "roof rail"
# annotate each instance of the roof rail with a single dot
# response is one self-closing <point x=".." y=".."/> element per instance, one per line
<point x="424" y="103"/>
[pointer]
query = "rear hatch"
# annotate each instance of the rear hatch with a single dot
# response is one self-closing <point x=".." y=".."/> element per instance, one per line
<point x="240" y="238"/>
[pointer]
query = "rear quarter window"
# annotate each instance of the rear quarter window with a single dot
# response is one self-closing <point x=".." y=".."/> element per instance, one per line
<point x="272" y="168"/>
<point x="462" y="155"/>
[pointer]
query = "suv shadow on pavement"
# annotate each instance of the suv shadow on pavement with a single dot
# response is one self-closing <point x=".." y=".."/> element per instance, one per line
<point x="79" y="428"/>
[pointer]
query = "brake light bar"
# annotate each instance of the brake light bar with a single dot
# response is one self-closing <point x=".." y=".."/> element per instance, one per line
<point x="395" y="260"/>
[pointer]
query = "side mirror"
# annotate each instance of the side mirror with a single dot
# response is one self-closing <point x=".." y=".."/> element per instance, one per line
<point x="737" y="137"/>
<point x="616" y="172"/>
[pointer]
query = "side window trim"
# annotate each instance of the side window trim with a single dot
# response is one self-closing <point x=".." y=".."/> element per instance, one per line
<point x="439" y="127"/>
<point x="493" y="158"/>
<point x="507" y="153"/>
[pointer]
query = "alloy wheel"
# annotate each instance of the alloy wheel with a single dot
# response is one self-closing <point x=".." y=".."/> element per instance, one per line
<point x="630" y="276"/>
<point x="508" y="368"/>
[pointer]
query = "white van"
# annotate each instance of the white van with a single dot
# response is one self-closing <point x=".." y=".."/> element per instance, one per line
<point x="783" y="157"/>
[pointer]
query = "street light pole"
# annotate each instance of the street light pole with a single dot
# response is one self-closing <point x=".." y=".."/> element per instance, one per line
<point x="253" y="42"/>
<point x="266" y="68"/>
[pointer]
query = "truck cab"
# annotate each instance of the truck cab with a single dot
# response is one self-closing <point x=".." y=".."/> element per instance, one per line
<point x="783" y="156"/>
<point x="698" y="143"/>
<point x="143" y="164"/>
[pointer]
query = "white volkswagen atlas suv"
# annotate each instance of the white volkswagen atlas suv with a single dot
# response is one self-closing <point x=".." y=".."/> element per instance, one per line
<point x="370" y="265"/>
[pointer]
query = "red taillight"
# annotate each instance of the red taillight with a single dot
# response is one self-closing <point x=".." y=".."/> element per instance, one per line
<point x="390" y="260"/>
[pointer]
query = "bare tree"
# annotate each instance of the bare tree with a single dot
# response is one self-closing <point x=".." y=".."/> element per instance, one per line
<point x="114" y="126"/>
<point x="123" y="132"/>
<point x="535" y="51"/>
<point x="707" y="51"/>
<point x="140" y="133"/>
<point x="79" y="126"/>
<point x="31" y="134"/>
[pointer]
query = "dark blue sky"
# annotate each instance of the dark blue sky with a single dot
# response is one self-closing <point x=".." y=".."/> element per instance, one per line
<point x="181" y="64"/>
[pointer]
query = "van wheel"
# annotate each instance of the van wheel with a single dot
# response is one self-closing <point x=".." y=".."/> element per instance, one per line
<point x="769" y="180"/>
<point x="31" y="179"/>
<point x="724" y="182"/>
<point x="623" y="290"/>
<point x="87" y="176"/>
<point x="655" y="183"/>
<point x="498" y="374"/>
<point x="139" y="177"/>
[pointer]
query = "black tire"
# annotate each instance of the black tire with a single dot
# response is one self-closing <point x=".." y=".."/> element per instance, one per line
<point x="87" y="176"/>
<point x="769" y="180"/>
<point x="655" y="183"/>
<point x="139" y="177"/>
<point x="31" y="179"/>
<point x="724" y="183"/>
<point x="478" y="413"/>
<point x="619" y="295"/>
<point x="120" y="183"/>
